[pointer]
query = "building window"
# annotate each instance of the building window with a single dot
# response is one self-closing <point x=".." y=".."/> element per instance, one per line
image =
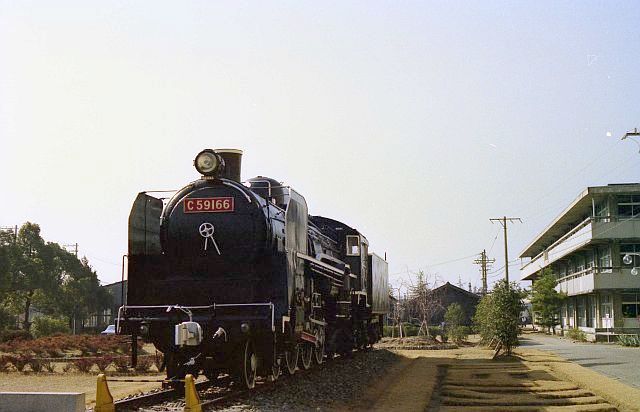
<point x="630" y="248"/>
<point x="630" y="305"/>
<point x="605" y="306"/>
<point x="604" y="259"/>
<point x="602" y="209"/>
<point x="582" y="319"/>
<point x="580" y="264"/>
<point x="629" y="206"/>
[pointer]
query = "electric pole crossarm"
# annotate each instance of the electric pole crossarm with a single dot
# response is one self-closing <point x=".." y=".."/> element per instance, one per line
<point x="484" y="262"/>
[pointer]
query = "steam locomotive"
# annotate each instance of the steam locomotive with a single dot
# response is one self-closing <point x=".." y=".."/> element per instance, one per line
<point x="225" y="277"/>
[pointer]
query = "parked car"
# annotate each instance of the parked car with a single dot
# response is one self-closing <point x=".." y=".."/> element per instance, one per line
<point x="110" y="330"/>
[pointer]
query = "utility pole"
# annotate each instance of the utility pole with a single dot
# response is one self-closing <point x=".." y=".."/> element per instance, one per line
<point x="503" y="222"/>
<point x="483" y="262"/>
<point x="12" y="229"/>
<point x="74" y="247"/>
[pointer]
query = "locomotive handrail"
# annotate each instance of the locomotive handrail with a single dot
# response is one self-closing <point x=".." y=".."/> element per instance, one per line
<point x="270" y="304"/>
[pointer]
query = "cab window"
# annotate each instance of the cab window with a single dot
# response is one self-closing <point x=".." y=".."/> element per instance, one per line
<point x="353" y="245"/>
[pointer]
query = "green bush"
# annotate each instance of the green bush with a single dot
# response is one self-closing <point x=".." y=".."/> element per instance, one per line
<point x="6" y="318"/>
<point x="454" y="318"/>
<point x="576" y="334"/>
<point x="46" y="326"/>
<point x="498" y="315"/>
<point x="629" y="340"/>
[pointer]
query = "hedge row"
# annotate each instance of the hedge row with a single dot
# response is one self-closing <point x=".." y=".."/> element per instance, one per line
<point x="60" y="345"/>
<point x="26" y="363"/>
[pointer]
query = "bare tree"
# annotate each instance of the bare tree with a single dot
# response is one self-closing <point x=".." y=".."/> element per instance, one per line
<point x="398" y="312"/>
<point x="423" y="302"/>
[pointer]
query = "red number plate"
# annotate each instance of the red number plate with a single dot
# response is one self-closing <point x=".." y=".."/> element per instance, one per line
<point x="208" y="204"/>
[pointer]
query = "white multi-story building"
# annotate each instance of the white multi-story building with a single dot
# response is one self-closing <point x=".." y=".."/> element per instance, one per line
<point x="585" y="247"/>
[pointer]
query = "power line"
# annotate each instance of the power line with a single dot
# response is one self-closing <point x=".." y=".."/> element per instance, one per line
<point x="435" y="264"/>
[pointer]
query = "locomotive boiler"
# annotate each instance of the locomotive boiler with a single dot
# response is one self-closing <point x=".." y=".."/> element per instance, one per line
<point x="237" y="278"/>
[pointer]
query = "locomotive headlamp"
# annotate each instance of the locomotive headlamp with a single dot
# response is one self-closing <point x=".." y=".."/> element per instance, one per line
<point x="208" y="163"/>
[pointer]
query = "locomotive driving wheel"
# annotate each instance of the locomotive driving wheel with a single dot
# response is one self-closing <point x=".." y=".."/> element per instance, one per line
<point x="291" y="359"/>
<point x="275" y="372"/>
<point x="248" y="366"/>
<point x="318" y="351"/>
<point x="306" y="353"/>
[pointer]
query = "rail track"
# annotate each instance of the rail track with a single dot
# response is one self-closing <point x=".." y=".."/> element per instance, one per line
<point x="210" y="393"/>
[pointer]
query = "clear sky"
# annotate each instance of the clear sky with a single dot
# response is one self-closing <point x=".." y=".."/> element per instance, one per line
<point x="415" y="122"/>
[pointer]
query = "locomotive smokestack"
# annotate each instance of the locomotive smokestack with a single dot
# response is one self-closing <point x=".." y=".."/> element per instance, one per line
<point x="232" y="163"/>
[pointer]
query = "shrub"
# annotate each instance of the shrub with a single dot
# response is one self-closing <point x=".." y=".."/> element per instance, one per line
<point x="46" y="325"/>
<point x="629" y="340"/>
<point x="104" y="361"/>
<point x="47" y="365"/>
<point x="84" y="365"/>
<point x="22" y="360"/>
<point x="5" y="360"/>
<point x="122" y="363"/>
<point x="577" y="334"/>
<point x="454" y="318"/>
<point x="15" y="335"/>
<point x="498" y="315"/>
<point x="70" y="367"/>
<point x="6" y="318"/>
<point x="36" y="365"/>
<point x="144" y="363"/>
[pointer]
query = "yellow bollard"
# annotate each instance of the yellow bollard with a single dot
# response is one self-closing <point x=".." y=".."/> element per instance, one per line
<point x="104" y="400"/>
<point x="191" y="398"/>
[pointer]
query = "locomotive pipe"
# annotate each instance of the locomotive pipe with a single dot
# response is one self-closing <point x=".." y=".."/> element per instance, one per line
<point x="232" y="163"/>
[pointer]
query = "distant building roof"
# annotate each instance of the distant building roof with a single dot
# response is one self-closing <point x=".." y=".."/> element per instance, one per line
<point x="456" y="288"/>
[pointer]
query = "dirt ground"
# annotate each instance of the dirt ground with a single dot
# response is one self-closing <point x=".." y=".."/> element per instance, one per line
<point x="17" y="382"/>
<point x="467" y="379"/>
<point x="434" y="380"/>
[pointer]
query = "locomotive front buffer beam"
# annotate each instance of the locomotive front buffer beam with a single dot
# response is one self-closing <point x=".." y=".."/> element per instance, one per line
<point x="188" y="329"/>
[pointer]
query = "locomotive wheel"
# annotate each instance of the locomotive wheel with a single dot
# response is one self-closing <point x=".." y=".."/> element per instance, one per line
<point x="275" y="373"/>
<point x="291" y="360"/>
<point x="318" y="351"/>
<point x="306" y="353"/>
<point x="248" y="366"/>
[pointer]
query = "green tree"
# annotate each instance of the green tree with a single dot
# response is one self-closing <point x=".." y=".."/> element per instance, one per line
<point x="546" y="300"/>
<point x="79" y="293"/>
<point x="498" y="314"/>
<point x="454" y="318"/>
<point x="45" y="275"/>
<point x="33" y="268"/>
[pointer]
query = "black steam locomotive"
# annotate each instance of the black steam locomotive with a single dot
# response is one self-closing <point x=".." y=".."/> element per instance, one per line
<point x="238" y="278"/>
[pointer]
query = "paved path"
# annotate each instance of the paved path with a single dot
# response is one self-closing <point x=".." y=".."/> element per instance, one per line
<point x="618" y="362"/>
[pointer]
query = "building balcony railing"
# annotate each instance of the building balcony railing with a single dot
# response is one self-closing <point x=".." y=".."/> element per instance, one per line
<point x="582" y="234"/>
<point x="597" y="278"/>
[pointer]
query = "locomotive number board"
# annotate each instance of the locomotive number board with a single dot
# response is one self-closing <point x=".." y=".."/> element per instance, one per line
<point x="208" y="204"/>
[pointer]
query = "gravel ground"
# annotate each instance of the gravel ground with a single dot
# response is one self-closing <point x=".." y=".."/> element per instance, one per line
<point x="334" y="385"/>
